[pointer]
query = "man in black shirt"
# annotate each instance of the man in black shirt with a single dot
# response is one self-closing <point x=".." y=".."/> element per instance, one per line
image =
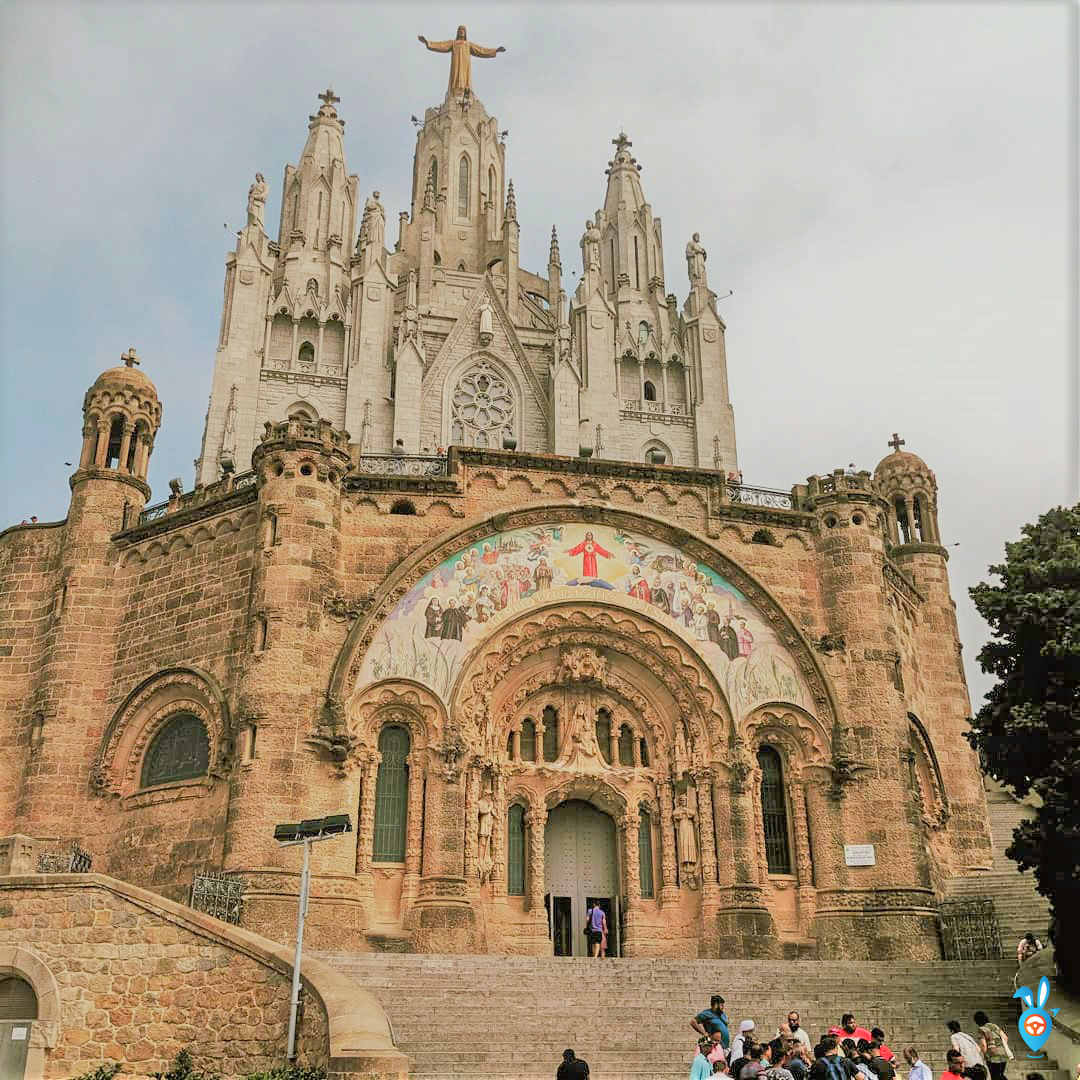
<point x="572" y="1067"/>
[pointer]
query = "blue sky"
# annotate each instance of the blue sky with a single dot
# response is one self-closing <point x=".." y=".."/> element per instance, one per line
<point x="884" y="186"/>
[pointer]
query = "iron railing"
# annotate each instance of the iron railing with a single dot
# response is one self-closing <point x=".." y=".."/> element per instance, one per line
<point x="73" y="861"/>
<point x="197" y="497"/>
<point x="220" y="895"/>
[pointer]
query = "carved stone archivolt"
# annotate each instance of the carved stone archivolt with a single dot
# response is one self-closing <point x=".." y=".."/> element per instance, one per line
<point x="145" y="711"/>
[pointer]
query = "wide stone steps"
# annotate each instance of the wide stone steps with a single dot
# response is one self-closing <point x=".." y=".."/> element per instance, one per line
<point x="1017" y="905"/>
<point x="510" y="1017"/>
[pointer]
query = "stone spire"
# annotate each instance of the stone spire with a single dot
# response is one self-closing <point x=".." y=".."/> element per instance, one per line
<point x="554" y="258"/>
<point x="624" y="184"/>
<point x="511" y="203"/>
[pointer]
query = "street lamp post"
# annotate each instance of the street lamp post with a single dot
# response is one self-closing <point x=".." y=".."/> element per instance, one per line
<point x="306" y="833"/>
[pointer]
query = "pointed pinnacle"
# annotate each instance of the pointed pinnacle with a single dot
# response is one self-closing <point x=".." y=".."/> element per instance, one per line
<point x="511" y="204"/>
<point x="553" y="254"/>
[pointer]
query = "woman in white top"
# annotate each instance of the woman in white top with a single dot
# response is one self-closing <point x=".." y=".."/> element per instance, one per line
<point x="960" y="1040"/>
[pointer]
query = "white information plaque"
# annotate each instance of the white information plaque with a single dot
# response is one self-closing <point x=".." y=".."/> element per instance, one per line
<point x="859" y="855"/>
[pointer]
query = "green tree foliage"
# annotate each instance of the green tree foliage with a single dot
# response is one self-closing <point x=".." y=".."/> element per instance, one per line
<point x="1028" y="732"/>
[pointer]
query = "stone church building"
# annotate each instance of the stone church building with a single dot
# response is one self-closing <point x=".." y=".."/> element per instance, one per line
<point x="469" y="557"/>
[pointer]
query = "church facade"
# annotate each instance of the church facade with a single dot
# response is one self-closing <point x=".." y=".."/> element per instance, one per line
<point x="473" y="562"/>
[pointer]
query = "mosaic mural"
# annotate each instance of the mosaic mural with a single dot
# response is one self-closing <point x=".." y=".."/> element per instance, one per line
<point x="431" y="631"/>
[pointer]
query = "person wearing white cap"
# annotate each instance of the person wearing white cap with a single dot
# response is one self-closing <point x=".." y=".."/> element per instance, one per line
<point x="740" y="1040"/>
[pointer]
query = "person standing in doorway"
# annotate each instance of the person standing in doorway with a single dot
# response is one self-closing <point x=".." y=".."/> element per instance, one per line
<point x="596" y="928"/>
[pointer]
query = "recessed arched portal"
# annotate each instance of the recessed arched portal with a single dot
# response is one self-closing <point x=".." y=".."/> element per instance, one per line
<point x="580" y="864"/>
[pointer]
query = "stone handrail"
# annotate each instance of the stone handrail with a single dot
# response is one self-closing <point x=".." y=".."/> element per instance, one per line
<point x="359" y="1030"/>
<point x="755" y="496"/>
<point x="401" y="465"/>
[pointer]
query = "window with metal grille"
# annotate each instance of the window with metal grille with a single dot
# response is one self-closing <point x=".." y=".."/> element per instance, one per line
<point x="17" y="999"/>
<point x="603" y="733"/>
<point x="626" y="746"/>
<point x="391" y="796"/>
<point x="528" y="741"/>
<point x="515" y="850"/>
<point x="644" y="747"/>
<point x="774" y="812"/>
<point x="179" y="751"/>
<point x="645" y="861"/>
<point x="551" y="733"/>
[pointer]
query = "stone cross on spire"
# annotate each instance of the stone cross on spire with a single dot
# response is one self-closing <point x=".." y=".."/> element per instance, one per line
<point x="328" y="97"/>
<point x="621" y="142"/>
<point x="897" y="442"/>
<point x="131" y="358"/>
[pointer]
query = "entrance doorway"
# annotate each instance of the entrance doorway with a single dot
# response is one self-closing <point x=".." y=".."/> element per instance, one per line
<point x="580" y="865"/>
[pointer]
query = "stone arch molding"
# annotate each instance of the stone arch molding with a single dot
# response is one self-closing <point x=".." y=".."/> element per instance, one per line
<point x="397" y="642"/>
<point x="144" y="712"/>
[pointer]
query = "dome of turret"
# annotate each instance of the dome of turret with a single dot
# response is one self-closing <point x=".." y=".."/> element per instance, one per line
<point x="124" y="376"/>
<point x="909" y="486"/>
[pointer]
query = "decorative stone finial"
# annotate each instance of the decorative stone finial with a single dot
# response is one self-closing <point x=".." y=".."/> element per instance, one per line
<point x="621" y="142"/>
<point x="329" y="98"/>
<point x="131" y="358"/>
<point x="897" y="442"/>
<point x="554" y="258"/>
<point x="511" y="203"/>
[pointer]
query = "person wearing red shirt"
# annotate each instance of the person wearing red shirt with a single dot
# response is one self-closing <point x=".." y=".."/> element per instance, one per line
<point x="849" y="1030"/>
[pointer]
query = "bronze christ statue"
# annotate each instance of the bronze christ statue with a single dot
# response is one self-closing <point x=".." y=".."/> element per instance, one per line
<point x="461" y="50"/>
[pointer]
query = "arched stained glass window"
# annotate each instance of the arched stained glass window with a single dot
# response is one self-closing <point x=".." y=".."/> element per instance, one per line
<point x="463" y="187"/>
<point x="515" y="850"/>
<point x="391" y="796"/>
<point x="774" y="812"/>
<point x="528" y="741"/>
<point x="626" y="746"/>
<point x="603" y="733"/>
<point x="551" y="733"/>
<point x="179" y="751"/>
<point x="645" y="856"/>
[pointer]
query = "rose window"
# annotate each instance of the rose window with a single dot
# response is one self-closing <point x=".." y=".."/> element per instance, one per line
<point x="482" y="408"/>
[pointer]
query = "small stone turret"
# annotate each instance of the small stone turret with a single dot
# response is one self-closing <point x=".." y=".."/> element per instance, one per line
<point x="910" y="488"/>
<point x="121" y="416"/>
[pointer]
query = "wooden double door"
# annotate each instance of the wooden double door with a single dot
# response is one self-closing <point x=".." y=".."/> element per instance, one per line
<point x="580" y="864"/>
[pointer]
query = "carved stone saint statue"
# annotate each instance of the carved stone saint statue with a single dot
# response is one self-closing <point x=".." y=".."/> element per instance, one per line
<point x="461" y="51"/>
<point x="257" y="201"/>
<point x="682" y="756"/>
<point x="486" y="329"/>
<point x="374" y="224"/>
<point x="686" y="836"/>
<point x="485" y="810"/>
<point x="584" y="736"/>
<point x="590" y="246"/>
<point x="695" y="261"/>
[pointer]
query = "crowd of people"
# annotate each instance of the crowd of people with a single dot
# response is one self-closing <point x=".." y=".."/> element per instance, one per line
<point x="845" y="1052"/>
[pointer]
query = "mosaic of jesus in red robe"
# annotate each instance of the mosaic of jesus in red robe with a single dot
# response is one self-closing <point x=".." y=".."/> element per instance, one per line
<point x="588" y="549"/>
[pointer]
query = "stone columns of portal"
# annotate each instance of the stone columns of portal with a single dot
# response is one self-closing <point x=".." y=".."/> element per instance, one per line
<point x="442" y="919"/>
<point x="536" y="822"/>
<point x="804" y="866"/>
<point x="669" y="889"/>
<point x="498" y="839"/>
<point x="365" y="826"/>
<point x="414" y="830"/>
<point x="704" y="781"/>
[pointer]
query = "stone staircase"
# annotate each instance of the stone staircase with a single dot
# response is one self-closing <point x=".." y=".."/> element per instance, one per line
<point x="1018" y="906"/>
<point x="510" y="1017"/>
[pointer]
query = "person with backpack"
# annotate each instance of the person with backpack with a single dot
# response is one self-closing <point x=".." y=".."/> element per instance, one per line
<point x="832" y="1065"/>
<point x="994" y="1045"/>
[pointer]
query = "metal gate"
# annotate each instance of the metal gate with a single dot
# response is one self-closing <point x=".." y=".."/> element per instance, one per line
<point x="969" y="930"/>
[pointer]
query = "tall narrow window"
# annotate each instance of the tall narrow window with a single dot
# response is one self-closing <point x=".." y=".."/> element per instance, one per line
<point x="614" y="274"/>
<point x="492" y="193"/>
<point x="391" y="796"/>
<point x="645" y="861"/>
<point x="318" y="221"/>
<point x="463" y="187"/>
<point x="626" y="746"/>
<point x="433" y="172"/>
<point x="774" y="812"/>
<point x="116" y="439"/>
<point x="643" y="746"/>
<point x="551" y="733"/>
<point x="603" y="733"/>
<point x="650" y="391"/>
<point x="510" y="747"/>
<point x="528" y="741"/>
<point x="515" y="850"/>
<point x="637" y="269"/>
